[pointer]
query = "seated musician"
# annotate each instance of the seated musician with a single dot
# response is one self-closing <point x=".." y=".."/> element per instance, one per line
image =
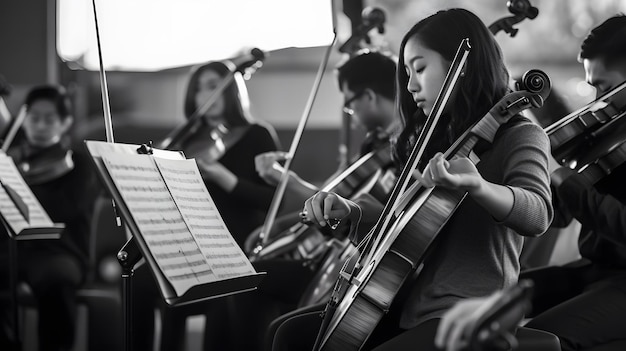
<point x="367" y="83"/>
<point x="583" y="302"/>
<point x="508" y="196"/>
<point x="64" y="182"/>
<point x="240" y="195"/>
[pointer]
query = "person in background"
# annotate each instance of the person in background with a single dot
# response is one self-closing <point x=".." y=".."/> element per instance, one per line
<point x="583" y="302"/>
<point x="224" y="143"/>
<point x="367" y="84"/>
<point x="508" y="196"/>
<point x="65" y="184"/>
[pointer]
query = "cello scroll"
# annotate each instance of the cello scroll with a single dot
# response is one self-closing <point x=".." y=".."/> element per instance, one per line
<point x="521" y="9"/>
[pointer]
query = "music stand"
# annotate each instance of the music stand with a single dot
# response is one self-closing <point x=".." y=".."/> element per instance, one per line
<point x="137" y="246"/>
<point x="16" y="232"/>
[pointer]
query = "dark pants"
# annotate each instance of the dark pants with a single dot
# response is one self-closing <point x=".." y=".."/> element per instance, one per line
<point x="584" y="304"/>
<point x="54" y="278"/>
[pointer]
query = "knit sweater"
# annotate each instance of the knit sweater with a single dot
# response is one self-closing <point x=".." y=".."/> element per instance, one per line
<point x="474" y="254"/>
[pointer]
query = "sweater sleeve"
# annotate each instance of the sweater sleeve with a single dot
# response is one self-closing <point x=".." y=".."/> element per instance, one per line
<point x="525" y="161"/>
<point x="250" y="187"/>
<point x="602" y="212"/>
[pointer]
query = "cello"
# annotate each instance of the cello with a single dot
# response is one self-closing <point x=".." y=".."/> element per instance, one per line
<point x="408" y="225"/>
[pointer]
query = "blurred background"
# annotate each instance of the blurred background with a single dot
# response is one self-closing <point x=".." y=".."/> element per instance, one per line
<point x="149" y="46"/>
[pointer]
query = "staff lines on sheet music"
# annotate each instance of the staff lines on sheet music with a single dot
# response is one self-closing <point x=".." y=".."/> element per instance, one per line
<point x="193" y="275"/>
<point x="186" y="189"/>
<point x="196" y="208"/>
<point x="202" y="216"/>
<point x="141" y="178"/>
<point x="225" y="255"/>
<point x="162" y="220"/>
<point x="182" y="180"/>
<point x="209" y="227"/>
<point x="170" y="242"/>
<point x="143" y="188"/>
<point x="153" y="209"/>
<point x="131" y="168"/>
<point x="177" y="170"/>
<point x="191" y="265"/>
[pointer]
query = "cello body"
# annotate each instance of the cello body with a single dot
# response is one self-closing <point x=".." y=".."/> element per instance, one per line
<point x="413" y="226"/>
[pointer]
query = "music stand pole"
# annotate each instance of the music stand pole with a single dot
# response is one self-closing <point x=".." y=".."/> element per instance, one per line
<point x="13" y="287"/>
<point x="128" y="256"/>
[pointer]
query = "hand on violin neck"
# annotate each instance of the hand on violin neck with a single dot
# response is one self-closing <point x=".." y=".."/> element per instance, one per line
<point x="457" y="173"/>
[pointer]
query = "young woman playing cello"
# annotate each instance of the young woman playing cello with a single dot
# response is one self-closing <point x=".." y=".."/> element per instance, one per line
<point x="477" y="250"/>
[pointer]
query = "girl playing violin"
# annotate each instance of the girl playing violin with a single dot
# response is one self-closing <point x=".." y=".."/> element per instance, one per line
<point x="230" y="175"/>
<point x="477" y="250"/>
<point x="224" y="144"/>
<point x="64" y="183"/>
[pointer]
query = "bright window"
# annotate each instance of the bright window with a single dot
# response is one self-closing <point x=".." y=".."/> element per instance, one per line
<point x="146" y="35"/>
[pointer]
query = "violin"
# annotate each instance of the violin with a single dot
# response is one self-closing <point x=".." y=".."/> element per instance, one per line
<point x="209" y="145"/>
<point x="521" y="9"/>
<point x="301" y="240"/>
<point x="248" y="65"/>
<point x="43" y="166"/>
<point x="581" y="137"/>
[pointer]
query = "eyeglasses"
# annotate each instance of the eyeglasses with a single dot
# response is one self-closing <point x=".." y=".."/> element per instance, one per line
<point x="346" y="104"/>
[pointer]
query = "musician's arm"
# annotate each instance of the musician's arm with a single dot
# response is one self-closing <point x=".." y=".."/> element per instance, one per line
<point x="526" y="175"/>
<point x="297" y="190"/>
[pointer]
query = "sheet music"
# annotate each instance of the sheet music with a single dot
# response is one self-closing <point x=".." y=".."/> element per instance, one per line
<point x="158" y="219"/>
<point x="204" y="221"/>
<point x="10" y="175"/>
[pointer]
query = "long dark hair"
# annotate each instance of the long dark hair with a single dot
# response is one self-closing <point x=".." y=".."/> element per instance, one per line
<point x="237" y="105"/>
<point x="485" y="81"/>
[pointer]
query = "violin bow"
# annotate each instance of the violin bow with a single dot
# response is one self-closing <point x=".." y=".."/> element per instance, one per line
<point x="106" y="107"/>
<point x="21" y="116"/>
<point x="108" y="124"/>
<point x="282" y="184"/>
